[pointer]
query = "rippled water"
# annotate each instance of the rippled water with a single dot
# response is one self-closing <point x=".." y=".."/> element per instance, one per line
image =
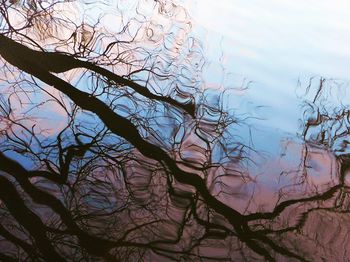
<point x="274" y="44"/>
<point x="275" y="49"/>
<point x="174" y="130"/>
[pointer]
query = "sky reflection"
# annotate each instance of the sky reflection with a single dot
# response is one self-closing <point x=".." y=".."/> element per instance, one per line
<point x="273" y="44"/>
<point x="274" y="48"/>
<point x="175" y="132"/>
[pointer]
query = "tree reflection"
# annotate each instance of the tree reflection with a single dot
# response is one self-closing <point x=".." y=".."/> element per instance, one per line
<point x="143" y="163"/>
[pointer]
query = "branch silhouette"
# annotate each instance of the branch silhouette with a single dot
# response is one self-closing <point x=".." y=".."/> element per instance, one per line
<point x="118" y="178"/>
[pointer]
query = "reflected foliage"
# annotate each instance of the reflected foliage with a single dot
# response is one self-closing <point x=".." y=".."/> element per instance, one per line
<point x="111" y="149"/>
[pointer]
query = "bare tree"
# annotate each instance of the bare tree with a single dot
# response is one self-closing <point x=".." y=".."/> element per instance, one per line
<point x="140" y="161"/>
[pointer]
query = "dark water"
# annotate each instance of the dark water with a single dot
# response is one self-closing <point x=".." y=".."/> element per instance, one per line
<point x="174" y="131"/>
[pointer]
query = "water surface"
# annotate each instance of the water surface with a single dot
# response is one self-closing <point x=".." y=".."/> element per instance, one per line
<point x="174" y="130"/>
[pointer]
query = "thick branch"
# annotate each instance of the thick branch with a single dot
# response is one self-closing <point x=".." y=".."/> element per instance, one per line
<point x="58" y="62"/>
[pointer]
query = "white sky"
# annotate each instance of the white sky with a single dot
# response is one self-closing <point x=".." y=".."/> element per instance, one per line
<point x="273" y="43"/>
<point x="306" y="36"/>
